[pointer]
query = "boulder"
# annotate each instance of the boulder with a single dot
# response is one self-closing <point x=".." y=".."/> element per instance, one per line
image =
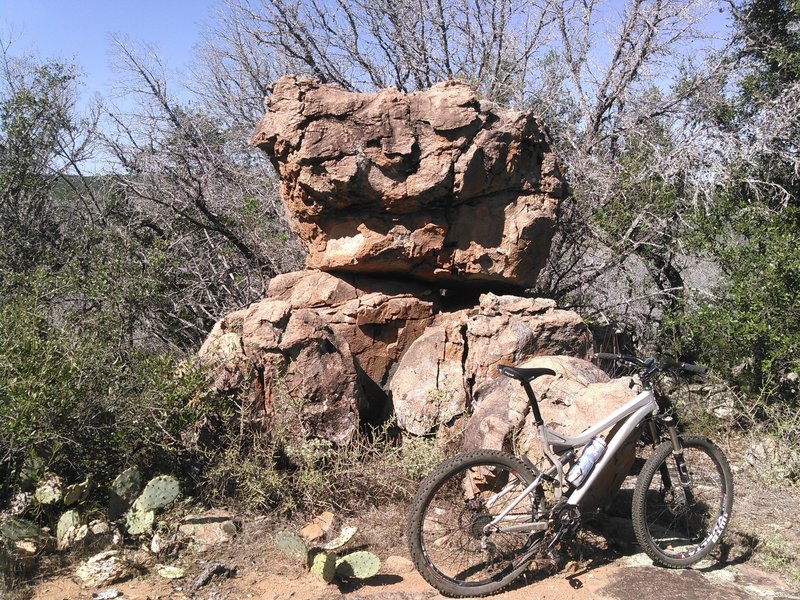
<point x="299" y="369"/>
<point x="317" y="347"/>
<point x="379" y="319"/>
<point x="436" y="378"/>
<point x="576" y="397"/>
<point x="430" y="385"/>
<point x="436" y="184"/>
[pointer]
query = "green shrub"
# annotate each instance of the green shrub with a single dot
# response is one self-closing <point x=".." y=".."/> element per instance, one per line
<point x="73" y="402"/>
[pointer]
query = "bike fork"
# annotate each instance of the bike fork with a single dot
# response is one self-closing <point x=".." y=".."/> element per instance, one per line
<point x="677" y="455"/>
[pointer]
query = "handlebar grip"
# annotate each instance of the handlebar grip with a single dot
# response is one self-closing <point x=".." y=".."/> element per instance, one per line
<point x="688" y="367"/>
<point x="696" y="369"/>
<point x="627" y="358"/>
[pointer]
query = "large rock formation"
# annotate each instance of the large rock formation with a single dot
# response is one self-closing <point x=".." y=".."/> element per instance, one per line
<point x="414" y="209"/>
<point x="436" y="184"/>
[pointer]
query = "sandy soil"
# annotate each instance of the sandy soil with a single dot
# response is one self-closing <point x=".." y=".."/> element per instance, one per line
<point x="596" y="566"/>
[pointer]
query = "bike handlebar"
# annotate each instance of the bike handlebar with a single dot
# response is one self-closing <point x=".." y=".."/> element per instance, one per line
<point x="651" y="364"/>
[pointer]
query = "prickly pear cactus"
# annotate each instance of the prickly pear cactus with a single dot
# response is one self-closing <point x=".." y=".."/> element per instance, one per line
<point x="323" y="565"/>
<point x="49" y="490"/>
<point x="70" y="520"/>
<point x="159" y="492"/>
<point x="127" y="484"/>
<point x="291" y="544"/>
<point x="123" y="490"/>
<point x="15" y="529"/>
<point x="345" y="536"/>
<point x="138" y="520"/>
<point x="358" y="565"/>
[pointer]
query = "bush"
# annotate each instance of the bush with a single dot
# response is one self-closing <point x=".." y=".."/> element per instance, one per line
<point x="73" y="402"/>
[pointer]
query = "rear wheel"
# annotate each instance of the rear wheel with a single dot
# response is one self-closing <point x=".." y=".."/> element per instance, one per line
<point x="446" y="524"/>
<point x="678" y="526"/>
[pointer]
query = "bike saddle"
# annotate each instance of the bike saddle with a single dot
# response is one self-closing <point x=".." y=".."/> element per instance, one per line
<point x="524" y="374"/>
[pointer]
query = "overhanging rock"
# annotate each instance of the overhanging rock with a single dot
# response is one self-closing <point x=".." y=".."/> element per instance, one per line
<point x="437" y="184"/>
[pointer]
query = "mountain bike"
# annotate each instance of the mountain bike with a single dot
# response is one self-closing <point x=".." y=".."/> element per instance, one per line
<point x="481" y="517"/>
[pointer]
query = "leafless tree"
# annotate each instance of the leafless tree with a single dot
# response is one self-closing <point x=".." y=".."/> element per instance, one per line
<point x="190" y="185"/>
<point x="408" y="44"/>
<point x="626" y="87"/>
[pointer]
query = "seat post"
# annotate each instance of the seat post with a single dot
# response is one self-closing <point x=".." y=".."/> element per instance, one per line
<point x="537" y="415"/>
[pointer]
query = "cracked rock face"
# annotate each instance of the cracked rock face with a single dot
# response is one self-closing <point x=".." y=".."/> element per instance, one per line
<point x="438" y="184"/>
<point x="435" y="379"/>
<point x="578" y="396"/>
<point x="318" y="348"/>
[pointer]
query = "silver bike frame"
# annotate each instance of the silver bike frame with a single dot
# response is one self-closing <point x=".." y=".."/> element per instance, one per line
<point x="633" y="413"/>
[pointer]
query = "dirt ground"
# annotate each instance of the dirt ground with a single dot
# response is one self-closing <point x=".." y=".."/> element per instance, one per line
<point x="756" y="560"/>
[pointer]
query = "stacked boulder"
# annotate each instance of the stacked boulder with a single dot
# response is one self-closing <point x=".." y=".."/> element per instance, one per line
<point x="425" y="217"/>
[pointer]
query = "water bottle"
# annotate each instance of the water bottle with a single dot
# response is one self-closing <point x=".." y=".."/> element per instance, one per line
<point x="591" y="454"/>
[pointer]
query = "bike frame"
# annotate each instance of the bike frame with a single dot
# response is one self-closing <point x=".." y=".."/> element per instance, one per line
<point x="631" y="415"/>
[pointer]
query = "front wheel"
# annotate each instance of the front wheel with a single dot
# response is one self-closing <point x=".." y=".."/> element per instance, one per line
<point x="678" y="525"/>
<point x="447" y="536"/>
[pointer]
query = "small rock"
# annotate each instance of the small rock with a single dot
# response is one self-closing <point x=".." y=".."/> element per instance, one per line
<point x="318" y="527"/>
<point x="81" y="533"/>
<point x="20" y="503"/>
<point x="26" y="548"/>
<point x="788" y="524"/>
<point x="105" y="568"/>
<point x="209" y="528"/>
<point x="107" y="595"/>
<point x="211" y="571"/>
<point x="99" y="527"/>
<point x="171" y="572"/>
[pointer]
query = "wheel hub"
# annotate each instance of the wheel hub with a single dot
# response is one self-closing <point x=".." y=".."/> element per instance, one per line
<point x="676" y="502"/>
<point x="476" y="525"/>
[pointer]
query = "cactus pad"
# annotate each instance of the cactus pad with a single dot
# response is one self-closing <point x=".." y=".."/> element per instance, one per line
<point x="123" y="490"/>
<point x="323" y="565"/>
<point x="15" y="529"/>
<point x="49" y="490"/>
<point x="345" y="536"/>
<point x="358" y="565"/>
<point x="127" y="484"/>
<point x="138" y="520"/>
<point x="291" y="544"/>
<point x="159" y="492"/>
<point x="77" y="492"/>
<point x="69" y="520"/>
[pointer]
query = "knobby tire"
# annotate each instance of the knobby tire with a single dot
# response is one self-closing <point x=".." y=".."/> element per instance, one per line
<point x="675" y="528"/>
<point x="447" y="518"/>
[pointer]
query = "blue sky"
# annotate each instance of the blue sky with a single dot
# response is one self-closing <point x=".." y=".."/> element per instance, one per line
<point x="79" y="30"/>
